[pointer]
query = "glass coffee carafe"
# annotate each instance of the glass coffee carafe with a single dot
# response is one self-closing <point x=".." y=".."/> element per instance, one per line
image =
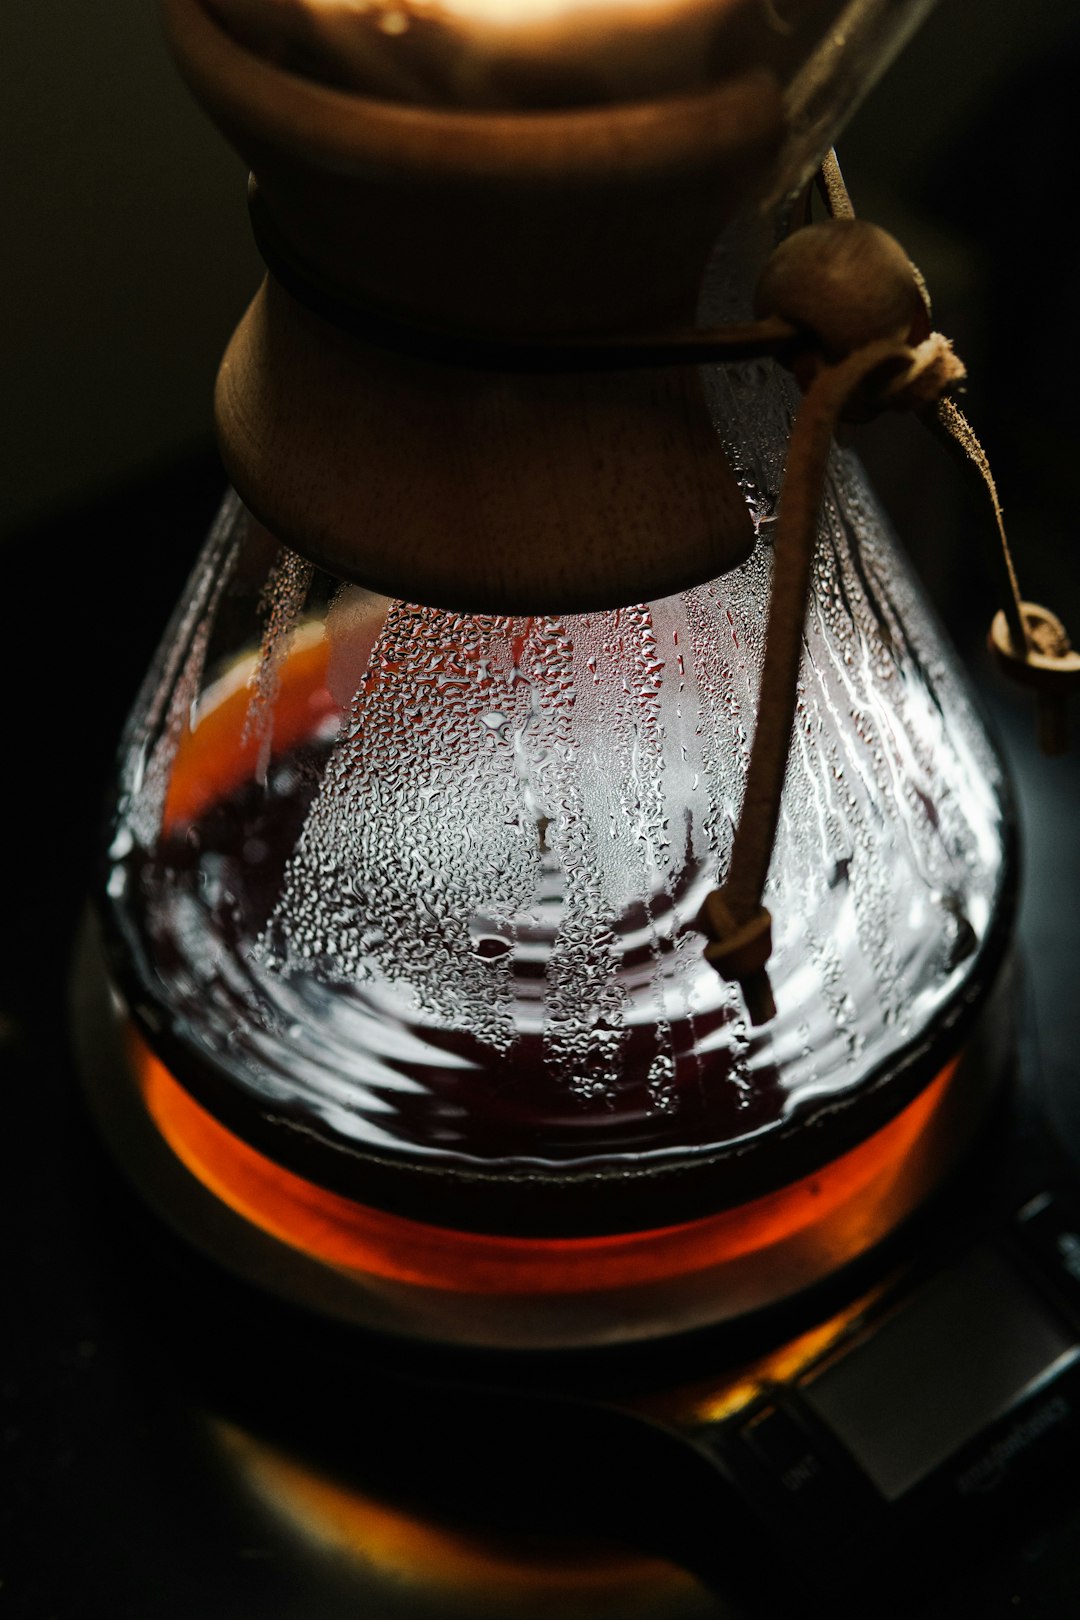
<point x="401" y="902"/>
<point x="405" y="901"/>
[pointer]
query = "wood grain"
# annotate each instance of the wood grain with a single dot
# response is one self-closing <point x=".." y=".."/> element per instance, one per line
<point x="471" y="490"/>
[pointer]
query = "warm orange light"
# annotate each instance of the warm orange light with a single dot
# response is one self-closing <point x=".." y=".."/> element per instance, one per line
<point x="510" y="14"/>
<point x="418" y="1552"/>
<point x="217" y="755"/>
<point x="843" y="1207"/>
<point x="485" y="53"/>
<point x="714" y="1401"/>
<point x="836" y="1213"/>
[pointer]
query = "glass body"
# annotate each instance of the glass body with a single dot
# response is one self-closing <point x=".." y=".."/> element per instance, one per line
<point x="405" y="899"/>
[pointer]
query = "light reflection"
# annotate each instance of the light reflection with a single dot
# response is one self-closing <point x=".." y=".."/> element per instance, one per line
<point x="443" y="1567"/>
<point x="514" y="13"/>
<point x="836" y="1213"/>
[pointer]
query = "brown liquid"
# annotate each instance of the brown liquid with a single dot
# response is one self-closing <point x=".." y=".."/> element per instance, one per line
<point x="209" y="889"/>
<point x="415" y="1097"/>
<point x="593" y="1247"/>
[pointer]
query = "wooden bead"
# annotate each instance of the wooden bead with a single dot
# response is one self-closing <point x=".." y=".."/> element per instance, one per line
<point x="846" y="283"/>
<point x="1048" y="666"/>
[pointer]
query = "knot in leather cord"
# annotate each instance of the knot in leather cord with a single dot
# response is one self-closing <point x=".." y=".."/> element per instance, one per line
<point x="740" y="951"/>
<point x="913" y="379"/>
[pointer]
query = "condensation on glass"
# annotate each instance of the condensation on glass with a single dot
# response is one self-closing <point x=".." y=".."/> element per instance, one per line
<point x="428" y="881"/>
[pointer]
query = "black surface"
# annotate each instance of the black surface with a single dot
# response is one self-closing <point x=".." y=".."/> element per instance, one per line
<point x="136" y="1395"/>
<point x="123" y="1494"/>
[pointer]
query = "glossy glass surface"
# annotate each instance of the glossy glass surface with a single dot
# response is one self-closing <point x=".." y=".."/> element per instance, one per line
<point x="426" y="882"/>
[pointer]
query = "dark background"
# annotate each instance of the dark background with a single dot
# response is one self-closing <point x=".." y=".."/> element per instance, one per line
<point x="124" y="263"/>
<point x="126" y="257"/>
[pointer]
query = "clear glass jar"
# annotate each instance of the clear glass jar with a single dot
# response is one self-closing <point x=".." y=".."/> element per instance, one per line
<point x="401" y="903"/>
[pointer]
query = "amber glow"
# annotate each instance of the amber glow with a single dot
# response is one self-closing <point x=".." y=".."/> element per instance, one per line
<point x="417" y="1551"/>
<point x="714" y="1401"/>
<point x="214" y="757"/>
<point x="510" y="14"/>
<point x="838" y="1212"/>
<point x="844" y="1206"/>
